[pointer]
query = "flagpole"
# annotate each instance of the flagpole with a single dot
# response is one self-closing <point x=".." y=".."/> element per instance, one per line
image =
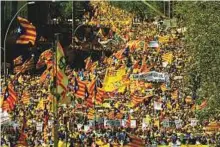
<point x="6" y="34"/>
<point x="56" y="121"/>
<point x="95" y="108"/>
<point x="54" y="97"/>
<point x="95" y="113"/>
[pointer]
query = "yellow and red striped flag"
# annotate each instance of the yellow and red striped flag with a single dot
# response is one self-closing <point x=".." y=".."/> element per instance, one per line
<point x="136" y="142"/>
<point x="90" y="99"/>
<point x="28" y="32"/>
<point x="26" y="98"/>
<point x="99" y="95"/>
<point x="119" y="54"/>
<point x="88" y="64"/>
<point x="22" y="142"/>
<point x="136" y="100"/>
<point x="10" y="98"/>
<point x="62" y="79"/>
<point x="80" y="88"/>
<point x="44" y="75"/>
<point x="17" y="69"/>
<point x="45" y="58"/>
<point x="18" y="60"/>
<point x="28" y="65"/>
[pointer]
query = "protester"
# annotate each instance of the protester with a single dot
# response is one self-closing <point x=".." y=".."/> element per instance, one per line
<point x="164" y="116"/>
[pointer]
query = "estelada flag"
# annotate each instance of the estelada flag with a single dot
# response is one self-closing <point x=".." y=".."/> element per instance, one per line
<point x="28" y="32"/>
<point x="136" y="142"/>
<point x="80" y="88"/>
<point x="10" y="98"/>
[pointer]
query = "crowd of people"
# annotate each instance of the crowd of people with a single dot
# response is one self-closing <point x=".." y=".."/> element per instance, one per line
<point x="142" y="113"/>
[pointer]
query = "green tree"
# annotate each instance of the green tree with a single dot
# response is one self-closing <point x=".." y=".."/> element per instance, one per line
<point x="64" y="9"/>
<point x="202" y="21"/>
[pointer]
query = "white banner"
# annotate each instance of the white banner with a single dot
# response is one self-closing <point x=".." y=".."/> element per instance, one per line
<point x="166" y="123"/>
<point x="133" y="124"/>
<point x="39" y="126"/>
<point x="157" y="105"/>
<point x="144" y="124"/>
<point x="178" y="123"/>
<point x="86" y="128"/>
<point x="193" y="122"/>
<point x="79" y="126"/>
<point x="123" y="123"/>
<point x="50" y="122"/>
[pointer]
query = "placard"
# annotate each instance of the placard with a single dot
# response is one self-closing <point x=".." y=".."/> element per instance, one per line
<point x="144" y="124"/>
<point x="133" y="124"/>
<point x="86" y="128"/>
<point x="178" y="123"/>
<point x="111" y="123"/>
<point x="193" y="122"/>
<point x="157" y="105"/>
<point x="123" y="123"/>
<point x="39" y="126"/>
<point x="166" y="123"/>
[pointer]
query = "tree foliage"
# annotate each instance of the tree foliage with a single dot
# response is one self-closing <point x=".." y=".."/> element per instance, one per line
<point x="64" y="9"/>
<point x="202" y="21"/>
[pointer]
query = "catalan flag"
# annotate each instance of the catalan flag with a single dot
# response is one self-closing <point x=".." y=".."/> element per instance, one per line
<point x="18" y="60"/>
<point x="22" y="140"/>
<point x="99" y="95"/>
<point x="44" y="75"/>
<point x="96" y="94"/>
<point x="10" y="98"/>
<point x="144" y="67"/>
<point x="28" y="65"/>
<point x="128" y="121"/>
<point x="86" y="92"/>
<point x="45" y="58"/>
<point x="17" y="69"/>
<point x="136" y="100"/>
<point x="47" y="54"/>
<point x="94" y="65"/>
<point x="136" y="64"/>
<point x="91" y="114"/>
<point x="119" y="54"/>
<point x="111" y="115"/>
<point x="80" y="88"/>
<point x="136" y="142"/>
<point x="62" y="79"/>
<point x="76" y="85"/>
<point x="26" y="98"/>
<point x="28" y="32"/>
<point x="88" y="63"/>
<point x="91" y="91"/>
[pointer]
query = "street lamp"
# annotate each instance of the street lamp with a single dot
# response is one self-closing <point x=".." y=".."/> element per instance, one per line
<point x="28" y="3"/>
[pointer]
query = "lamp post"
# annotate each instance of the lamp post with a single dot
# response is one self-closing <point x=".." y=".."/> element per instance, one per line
<point x="28" y="3"/>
